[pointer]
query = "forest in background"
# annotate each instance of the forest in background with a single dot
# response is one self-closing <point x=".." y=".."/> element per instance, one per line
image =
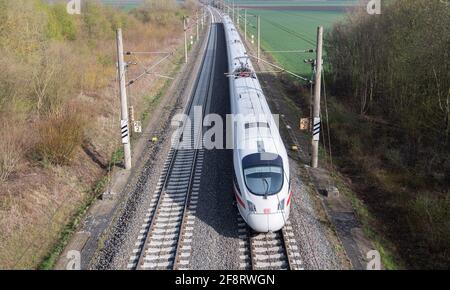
<point x="389" y="75"/>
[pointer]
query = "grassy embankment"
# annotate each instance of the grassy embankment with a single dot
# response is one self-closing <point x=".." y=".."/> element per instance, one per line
<point x="59" y="107"/>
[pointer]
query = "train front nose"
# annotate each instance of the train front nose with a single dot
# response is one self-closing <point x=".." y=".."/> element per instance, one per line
<point x="264" y="223"/>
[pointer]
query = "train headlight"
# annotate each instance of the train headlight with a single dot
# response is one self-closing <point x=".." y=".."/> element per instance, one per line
<point x="251" y="206"/>
<point x="281" y="205"/>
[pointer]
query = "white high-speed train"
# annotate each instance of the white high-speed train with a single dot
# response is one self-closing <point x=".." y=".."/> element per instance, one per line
<point x="261" y="166"/>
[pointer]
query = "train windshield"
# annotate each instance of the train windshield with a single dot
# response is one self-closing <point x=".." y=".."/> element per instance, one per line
<point x="263" y="174"/>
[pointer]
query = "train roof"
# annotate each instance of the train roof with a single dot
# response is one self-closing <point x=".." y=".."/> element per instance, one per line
<point x="258" y="132"/>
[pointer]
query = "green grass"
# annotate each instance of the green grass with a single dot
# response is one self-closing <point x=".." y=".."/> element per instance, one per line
<point x="295" y="3"/>
<point x="291" y="30"/>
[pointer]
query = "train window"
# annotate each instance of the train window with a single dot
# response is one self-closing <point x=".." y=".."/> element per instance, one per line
<point x="263" y="173"/>
<point x="256" y="124"/>
<point x="264" y="180"/>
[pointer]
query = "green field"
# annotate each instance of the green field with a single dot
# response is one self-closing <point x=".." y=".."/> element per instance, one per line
<point x="290" y="30"/>
<point x="123" y="4"/>
<point x="296" y="3"/>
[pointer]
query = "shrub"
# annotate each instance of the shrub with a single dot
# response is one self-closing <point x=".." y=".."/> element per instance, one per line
<point x="11" y="150"/>
<point x="59" y="136"/>
<point x="431" y="216"/>
<point x="60" y="24"/>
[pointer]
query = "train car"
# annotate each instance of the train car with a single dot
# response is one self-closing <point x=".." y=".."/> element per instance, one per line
<point x="261" y="167"/>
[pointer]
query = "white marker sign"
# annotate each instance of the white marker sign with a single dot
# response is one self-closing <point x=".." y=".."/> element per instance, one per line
<point x="74" y="7"/>
<point x="125" y="131"/>
<point x="137" y="127"/>
<point x="316" y="129"/>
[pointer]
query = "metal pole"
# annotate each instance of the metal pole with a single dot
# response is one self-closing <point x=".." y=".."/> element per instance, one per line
<point x="123" y="101"/>
<point x="238" y="14"/>
<point x="245" y="24"/>
<point x="259" y="38"/>
<point x="185" y="40"/>
<point x="197" y="24"/>
<point x="316" y="107"/>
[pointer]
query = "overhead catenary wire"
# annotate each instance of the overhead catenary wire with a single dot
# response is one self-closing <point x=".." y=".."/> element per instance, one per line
<point x="147" y="52"/>
<point x="291" y="51"/>
<point x="285" y="29"/>
<point x="281" y="68"/>
<point x="148" y="70"/>
<point x="306" y="16"/>
<point x="284" y="51"/>
<point x="292" y="32"/>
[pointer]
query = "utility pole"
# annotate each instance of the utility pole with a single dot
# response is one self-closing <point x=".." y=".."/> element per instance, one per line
<point x="197" y="24"/>
<point x="316" y="108"/>
<point x="259" y="38"/>
<point x="238" y="16"/>
<point x="185" y="40"/>
<point x="245" y="24"/>
<point x="124" y="126"/>
<point x="203" y="17"/>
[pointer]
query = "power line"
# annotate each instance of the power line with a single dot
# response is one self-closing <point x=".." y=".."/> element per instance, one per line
<point x="286" y="29"/>
<point x="292" y="32"/>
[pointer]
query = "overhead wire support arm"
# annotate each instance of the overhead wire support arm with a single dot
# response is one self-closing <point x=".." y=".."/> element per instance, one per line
<point x="148" y="70"/>
<point x="292" y="51"/>
<point x="282" y="69"/>
<point x="147" y="52"/>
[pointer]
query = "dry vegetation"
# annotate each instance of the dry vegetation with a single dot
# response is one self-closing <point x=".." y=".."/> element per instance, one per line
<point x="391" y="122"/>
<point x="59" y="107"/>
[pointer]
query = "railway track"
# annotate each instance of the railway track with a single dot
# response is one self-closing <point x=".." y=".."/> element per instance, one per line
<point x="268" y="251"/>
<point x="275" y="251"/>
<point x="164" y="241"/>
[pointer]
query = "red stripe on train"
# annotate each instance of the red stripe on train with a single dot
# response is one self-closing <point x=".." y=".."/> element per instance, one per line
<point x="289" y="198"/>
<point x="239" y="200"/>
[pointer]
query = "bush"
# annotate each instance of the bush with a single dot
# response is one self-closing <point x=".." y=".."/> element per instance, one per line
<point x="59" y="136"/>
<point x="11" y="150"/>
<point x="61" y="25"/>
<point x="431" y="216"/>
